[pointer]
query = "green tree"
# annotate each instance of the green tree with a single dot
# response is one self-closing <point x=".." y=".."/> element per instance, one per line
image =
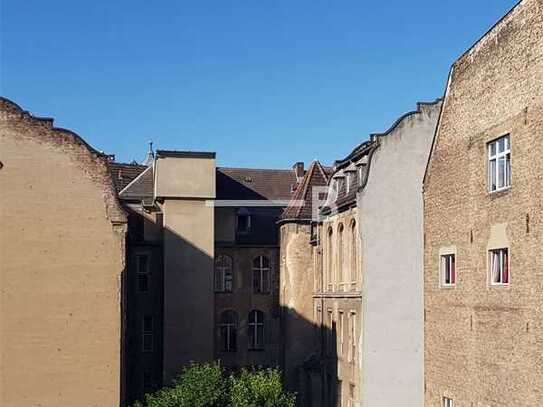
<point x="261" y="388"/>
<point x="208" y="386"/>
<point x="196" y="386"/>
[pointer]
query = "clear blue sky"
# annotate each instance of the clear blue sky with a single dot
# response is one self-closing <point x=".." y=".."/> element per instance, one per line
<point x="263" y="83"/>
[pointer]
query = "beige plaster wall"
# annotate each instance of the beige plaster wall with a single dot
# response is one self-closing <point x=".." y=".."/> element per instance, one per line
<point x="61" y="260"/>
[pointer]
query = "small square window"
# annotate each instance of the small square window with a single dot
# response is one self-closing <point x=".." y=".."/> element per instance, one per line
<point x="448" y="270"/>
<point x="498" y="263"/>
<point x="447" y="402"/>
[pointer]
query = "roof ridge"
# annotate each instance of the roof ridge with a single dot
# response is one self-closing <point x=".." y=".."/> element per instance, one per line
<point x="254" y="169"/>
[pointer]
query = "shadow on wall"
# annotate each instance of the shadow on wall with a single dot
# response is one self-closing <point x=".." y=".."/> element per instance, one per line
<point x="309" y="350"/>
<point x="310" y="360"/>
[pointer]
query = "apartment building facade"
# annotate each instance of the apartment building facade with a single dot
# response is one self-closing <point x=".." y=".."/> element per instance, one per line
<point x="321" y="286"/>
<point x="390" y="210"/>
<point x="207" y="289"/>
<point x="483" y="229"/>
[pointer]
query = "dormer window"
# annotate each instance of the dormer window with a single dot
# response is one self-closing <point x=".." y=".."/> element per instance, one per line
<point x="243" y="221"/>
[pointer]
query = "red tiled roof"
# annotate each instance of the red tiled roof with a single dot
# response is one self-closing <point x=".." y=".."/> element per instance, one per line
<point x="301" y="206"/>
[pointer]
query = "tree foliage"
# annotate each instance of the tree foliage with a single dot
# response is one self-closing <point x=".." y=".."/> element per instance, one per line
<point x="207" y="385"/>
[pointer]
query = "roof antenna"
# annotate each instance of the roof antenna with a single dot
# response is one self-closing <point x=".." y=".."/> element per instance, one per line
<point x="150" y="155"/>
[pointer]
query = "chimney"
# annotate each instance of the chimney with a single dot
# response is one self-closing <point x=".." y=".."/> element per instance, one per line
<point x="298" y="169"/>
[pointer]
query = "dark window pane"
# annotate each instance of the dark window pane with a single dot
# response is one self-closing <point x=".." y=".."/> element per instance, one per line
<point x="143" y="282"/>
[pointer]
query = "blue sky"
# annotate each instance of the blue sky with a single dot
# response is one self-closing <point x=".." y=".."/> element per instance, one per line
<point x="263" y="83"/>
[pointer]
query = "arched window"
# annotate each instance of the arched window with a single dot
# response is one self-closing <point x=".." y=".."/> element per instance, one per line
<point x="354" y="253"/>
<point x="330" y="258"/>
<point x="340" y="253"/>
<point x="256" y="330"/>
<point x="228" y="329"/>
<point x="261" y="275"/>
<point x="223" y="273"/>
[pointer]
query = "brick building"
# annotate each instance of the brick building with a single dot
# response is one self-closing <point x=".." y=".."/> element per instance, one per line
<point x="483" y="229"/>
<point x="62" y="261"/>
<point x="223" y="300"/>
<point x="321" y="284"/>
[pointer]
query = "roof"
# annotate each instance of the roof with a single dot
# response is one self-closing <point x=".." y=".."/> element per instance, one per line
<point x="134" y="181"/>
<point x="255" y="184"/>
<point x="185" y="154"/>
<point x="123" y="174"/>
<point x="140" y="187"/>
<point x="300" y="207"/>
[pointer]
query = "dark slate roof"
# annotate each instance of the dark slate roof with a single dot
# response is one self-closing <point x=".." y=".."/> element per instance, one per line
<point x="301" y="205"/>
<point x="254" y="184"/>
<point x="141" y="187"/>
<point x="123" y="174"/>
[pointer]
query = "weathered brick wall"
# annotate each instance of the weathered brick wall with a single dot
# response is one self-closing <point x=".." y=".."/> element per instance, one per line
<point x="482" y="343"/>
<point x="61" y="261"/>
<point x="296" y="300"/>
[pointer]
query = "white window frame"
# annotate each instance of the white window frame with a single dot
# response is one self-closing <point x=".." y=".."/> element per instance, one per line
<point x="447" y="402"/>
<point x="142" y="273"/>
<point x="500" y="267"/>
<point x="261" y="270"/>
<point x="496" y="157"/>
<point x="253" y="326"/>
<point x="447" y="260"/>
<point x="231" y="327"/>
<point x="221" y="274"/>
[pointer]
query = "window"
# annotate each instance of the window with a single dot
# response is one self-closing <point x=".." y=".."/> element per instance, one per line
<point x="330" y="254"/>
<point x="243" y="221"/>
<point x="351" y="395"/>
<point x="352" y="337"/>
<point x="448" y="270"/>
<point x="223" y="273"/>
<point x="256" y="330"/>
<point x="147" y="380"/>
<point x="348" y="178"/>
<point x="330" y="333"/>
<point x="354" y="254"/>
<point x="340" y="249"/>
<point x="261" y="275"/>
<point x="499" y="164"/>
<point x="147" y="334"/>
<point x="142" y="272"/>
<point x="228" y="327"/>
<point x="340" y="335"/>
<point x="447" y="402"/>
<point x="499" y="266"/>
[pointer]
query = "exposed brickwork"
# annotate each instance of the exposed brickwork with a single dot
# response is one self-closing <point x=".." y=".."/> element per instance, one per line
<point x="62" y="262"/>
<point x="483" y="343"/>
